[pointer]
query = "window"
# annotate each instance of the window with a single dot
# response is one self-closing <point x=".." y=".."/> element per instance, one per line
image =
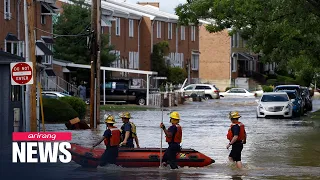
<point x="133" y="60"/>
<point x="193" y="33"/>
<point x="234" y="64"/>
<point x="7" y="12"/>
<point x="188" y="88"/>
<point x="14" y="47"/>
<point x="235" y="40"/>
<point x="195" y="62"/>
<point x="15" y="93"/>
<point x="43" y="19"/>
<point x="169" y="30"/>
<point x="131" y="28"/>
<point x="117" y="27"/>
<point x="183" y="33"/>
<point x="158" y="29"/>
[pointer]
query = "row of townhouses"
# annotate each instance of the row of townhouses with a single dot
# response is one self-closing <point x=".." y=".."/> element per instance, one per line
<point x="133" y="29"/>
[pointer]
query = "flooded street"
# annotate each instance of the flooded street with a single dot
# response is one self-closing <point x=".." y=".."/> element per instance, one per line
<point x="276" y="148"/>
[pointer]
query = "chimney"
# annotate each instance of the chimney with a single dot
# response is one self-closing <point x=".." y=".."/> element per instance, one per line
<point x="155" y="4"/>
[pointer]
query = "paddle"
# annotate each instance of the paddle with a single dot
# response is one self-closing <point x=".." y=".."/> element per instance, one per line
<point x="161" y="134"/>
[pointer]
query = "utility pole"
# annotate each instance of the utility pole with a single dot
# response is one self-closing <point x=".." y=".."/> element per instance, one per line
<point x="32" y="57"/>
<point x="95" y="63"/>
<point x="27" y="52"/>
<point x="98" y="43"/>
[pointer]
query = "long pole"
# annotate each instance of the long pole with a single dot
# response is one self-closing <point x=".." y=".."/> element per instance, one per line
<point x="161" y="131"/>
<point x="33" y="105"/>
<point x="93" y="62"/>
<point x="27" y="93"/>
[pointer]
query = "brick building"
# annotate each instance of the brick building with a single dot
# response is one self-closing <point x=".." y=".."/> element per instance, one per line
<point x="135" y="28"/>
<point x="12" y="31"/>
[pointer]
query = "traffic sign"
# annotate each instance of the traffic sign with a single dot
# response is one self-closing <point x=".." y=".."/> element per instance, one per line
<point x="21" y="73"/>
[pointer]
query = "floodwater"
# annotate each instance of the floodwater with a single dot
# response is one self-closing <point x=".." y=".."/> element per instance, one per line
<point x="275" y="149"/>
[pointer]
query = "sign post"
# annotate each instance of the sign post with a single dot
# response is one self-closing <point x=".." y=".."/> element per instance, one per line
<point x="22" y="74"/>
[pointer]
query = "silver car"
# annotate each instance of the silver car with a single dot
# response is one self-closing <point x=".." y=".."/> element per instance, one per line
<point x="210" y="91"/>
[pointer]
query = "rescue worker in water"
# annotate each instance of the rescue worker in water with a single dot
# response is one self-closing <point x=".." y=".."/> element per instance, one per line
<point x="174" y="138"/>
<point x="111" y="138"/>
<point x="237" y="137"/>
<point x="128" y="131"/>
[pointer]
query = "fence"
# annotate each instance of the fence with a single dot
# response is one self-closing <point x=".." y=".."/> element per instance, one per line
<point x="169" y="99"/>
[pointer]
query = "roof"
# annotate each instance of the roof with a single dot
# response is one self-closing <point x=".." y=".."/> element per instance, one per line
<point x="45" y="50"/>
<point x="6" y="58"/>
<point x="11" y="37"/>
<point x="294" y="85"/>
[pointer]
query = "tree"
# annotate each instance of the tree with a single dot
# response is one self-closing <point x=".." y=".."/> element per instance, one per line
<point x="73" y="29"/>
<point x="158" y="63"/>
<point x="282" y="31"/>
<point x="176" y="75"/>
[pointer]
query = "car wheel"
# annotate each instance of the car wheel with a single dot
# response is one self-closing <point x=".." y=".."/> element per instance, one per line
<point x="141" y="101"/>
<point x="207" y="97"/>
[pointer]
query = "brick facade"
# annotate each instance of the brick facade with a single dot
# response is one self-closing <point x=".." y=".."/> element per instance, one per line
<point x="215" y="58"/>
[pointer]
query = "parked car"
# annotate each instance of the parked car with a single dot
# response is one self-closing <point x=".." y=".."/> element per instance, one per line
<point x="293" y="87"/>
<point x="53" y="94"/>
<point x="274" y="104"/>
<point x="210" y="91"/>
<point x="307" y="98"/>
<point x="238" y="92"/>
<point x="120" y="91"/>
<point x="296" y="101"/>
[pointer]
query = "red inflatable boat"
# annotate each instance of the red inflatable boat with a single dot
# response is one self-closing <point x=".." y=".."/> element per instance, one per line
<point x="138" y="157"/>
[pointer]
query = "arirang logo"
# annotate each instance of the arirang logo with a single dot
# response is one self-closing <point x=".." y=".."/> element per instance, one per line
<point x="44" y="152"/>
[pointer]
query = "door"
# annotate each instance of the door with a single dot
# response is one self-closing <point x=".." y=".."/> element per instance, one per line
<point x="188" y="90"/>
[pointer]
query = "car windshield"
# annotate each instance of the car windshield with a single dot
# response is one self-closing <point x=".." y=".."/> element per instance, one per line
<point x="292" y="95"/>
<point x="274" y="98"/>
<point x="64" y="94"/>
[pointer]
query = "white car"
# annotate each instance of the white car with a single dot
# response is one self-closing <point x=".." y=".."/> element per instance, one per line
<point x="274" y="104"/>
<point x="237" y="92"/>
<point x="210" y="91"/>
<point x="53" y="94"/>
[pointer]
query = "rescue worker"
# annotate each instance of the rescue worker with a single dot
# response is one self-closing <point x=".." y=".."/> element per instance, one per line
<point x="237" y="137"/>
<point x="128" y="131"/>
<point x="111" y="138"/>
<point x="174" y="138"/>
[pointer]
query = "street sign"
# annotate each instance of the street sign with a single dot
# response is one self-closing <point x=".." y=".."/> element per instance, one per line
<point x="21" y="73"/>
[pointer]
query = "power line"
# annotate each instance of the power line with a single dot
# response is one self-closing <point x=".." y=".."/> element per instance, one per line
<point x="56" y="35"/>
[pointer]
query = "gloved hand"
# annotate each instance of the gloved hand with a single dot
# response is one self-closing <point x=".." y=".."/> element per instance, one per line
<point x="162" y="126"/>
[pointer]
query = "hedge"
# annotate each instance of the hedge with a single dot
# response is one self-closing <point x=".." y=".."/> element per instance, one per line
<point x="267" y="88"/>
<point x="77" y="104"/>
<point x="55" y="110"/>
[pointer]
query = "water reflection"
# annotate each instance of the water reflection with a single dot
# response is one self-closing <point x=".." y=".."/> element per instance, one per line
<point x="268" y="152"/>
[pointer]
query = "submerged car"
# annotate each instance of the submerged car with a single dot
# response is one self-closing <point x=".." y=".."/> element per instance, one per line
<point x="210" y="91"/>
<point x="274" y="104"/>
<point x="238" y="92"/>
<point x="296" y="101"/>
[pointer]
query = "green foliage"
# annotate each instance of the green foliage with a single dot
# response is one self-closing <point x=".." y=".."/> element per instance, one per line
<point x="267" y="88"/>
<point x="271" y="82"/>
<point x="282" y="31"/>
<point x="176" y="75"/>
<point x="158" y="63"/>
<point x="75" y="20"/>
<point x="77" y="104"/>
<point x="57" y="111"/>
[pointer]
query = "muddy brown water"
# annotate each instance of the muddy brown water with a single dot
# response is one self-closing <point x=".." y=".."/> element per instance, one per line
<point x="275" y="149"/>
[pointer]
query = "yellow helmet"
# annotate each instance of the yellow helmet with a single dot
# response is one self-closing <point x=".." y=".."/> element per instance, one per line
<point x="175" y="115"/>
<point x="234" y="115"/>
<point x="109" y="119"/>
<point x="125" y="115"/>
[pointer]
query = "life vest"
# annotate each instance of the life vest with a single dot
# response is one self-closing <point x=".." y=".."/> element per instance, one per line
<point x="114" y="140"/>
<point x="133" y="132"/>
<point x="176" y="137"/>
<point x="242" y="134"/>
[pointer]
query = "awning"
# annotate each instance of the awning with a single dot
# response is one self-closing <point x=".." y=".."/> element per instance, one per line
<point x="42" y="49"/>
<point x="245" y="56"/>
<point x="47" y="40"/>
<point x="11" y="37"/>
<point x="65" y="70"/>
<point x="106" y="21"/>
<point x="50" y="72"/>
<point x="48" y="8"/>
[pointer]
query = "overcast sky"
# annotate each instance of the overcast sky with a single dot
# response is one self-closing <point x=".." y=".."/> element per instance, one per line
<point x="165" y="5"/>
